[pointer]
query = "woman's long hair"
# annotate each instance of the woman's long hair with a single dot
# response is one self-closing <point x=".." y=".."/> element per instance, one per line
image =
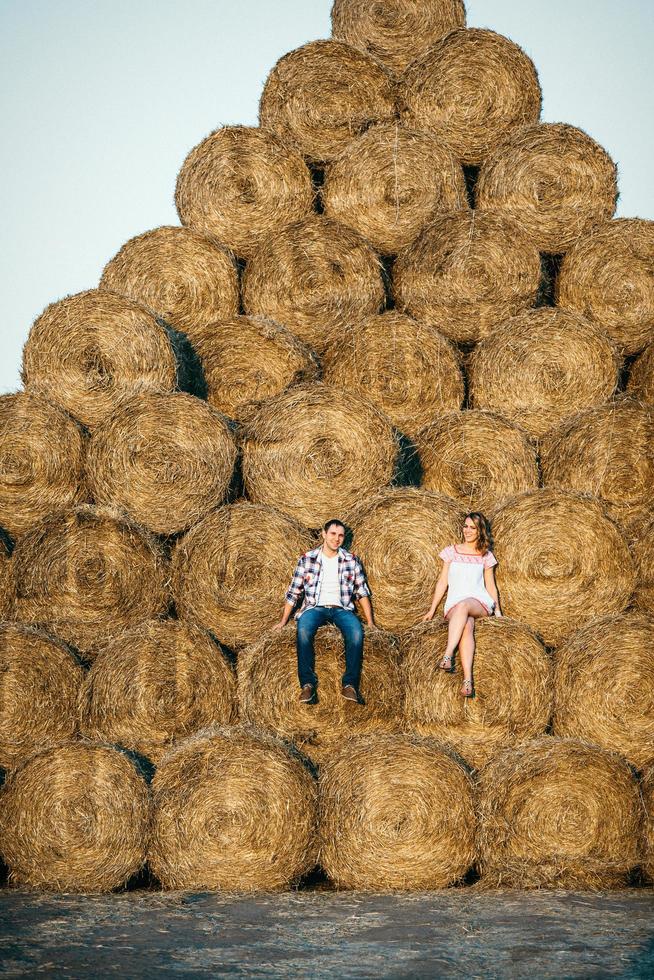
<point x="484" y="539"/>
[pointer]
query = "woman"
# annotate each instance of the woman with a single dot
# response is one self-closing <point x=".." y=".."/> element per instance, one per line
<point x="468" y="577"/>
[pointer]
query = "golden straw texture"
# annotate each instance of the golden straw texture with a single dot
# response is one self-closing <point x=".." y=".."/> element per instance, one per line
<point x="642" y="550"/>
<point x="315" y="451"/>
<point x="7" y="585"/>
<point x="88" y="572"/>
<point x="166" y="460"/>
<point x="241" y="184"/>
<point x="395" y="31"/>
<point x="554" y="179"/>
<point x="477" y="85"/>
<point x="407" y="369"/>
<point x="315" y="277"/>
<point x="466" y="273"/>
<point x="396" y="814"/>
<point x="268" y="689"/>
<point x="541" y="367"/>
<point x="562" y="562"/>
<point x="398" y="535"/>
<point x="389" y="182"/>
<point x="558" y="813"/>
<point x="187" y="279"/>
<point x="647" y="788"/>
<point x="231" y="571"/>
<point x="512" y="678"/>
<point x="75" y="818"/>
<point x="607" y="276"/>
<point x="42" y="453"/>
<point x="641" y="378"/>
<point x="235" y="810"/>
<point x="318" y="97"/>
<point x="156" y="683"/>
<point x="90" y="351"/>
<point x="39" y="683"/>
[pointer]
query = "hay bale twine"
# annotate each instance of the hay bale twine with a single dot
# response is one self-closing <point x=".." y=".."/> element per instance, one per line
<point x="558" y="813"/>
<point x="156" y="683"/>
<point x="542" y="366"/>
<point x="250" y="359"/>
<point x="607" y="276"/>
<point x="241" y="184"/>
<point x="513" y="681"/>
<point x="234" y="810"/>
<point x="475" y="84"/>
<point x="407" y="369"/>
<point x="42" y="453"/>
<point x="231" y="571"/>
<point x="316" y="277"/>
<point x="398" y="535"/>
<point x="478" y="458"/>
<point x="641" y="376"/>
<point x="90" y="351"/>
<point x="7" y="585"/>
<point x="389" y="182"/>
<point x="395" y="32"/>
<point x="466" y="273"/>
<point x="166" y="460"/>
<point x="315" y="450"/>
<point x="187" y="279"/>
<point x="642" y="549"/>
<point x="554" y="179"/>
<point x="75" y="818"/>
<point x="88" y="572"/>
<point x="318" y="97"/>
<point x="647" y="789"/>
<point x="268" y="689"/>
<point x="39" y="684"/>
<point x="396" y="813"/>
<point x="562" y="562"/>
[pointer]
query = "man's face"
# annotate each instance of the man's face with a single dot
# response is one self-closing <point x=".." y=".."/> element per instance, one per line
<point x="334" y="537"/>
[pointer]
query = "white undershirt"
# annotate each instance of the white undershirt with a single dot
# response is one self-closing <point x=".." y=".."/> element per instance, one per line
<point x="330" y="589"/>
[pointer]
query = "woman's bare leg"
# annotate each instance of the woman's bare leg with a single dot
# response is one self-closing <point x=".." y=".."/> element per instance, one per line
<point x="457" y="619"/>
<point x="467" y="648"/>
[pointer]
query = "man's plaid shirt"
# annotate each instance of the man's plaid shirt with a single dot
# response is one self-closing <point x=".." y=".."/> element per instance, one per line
<point x="307" y="579"/>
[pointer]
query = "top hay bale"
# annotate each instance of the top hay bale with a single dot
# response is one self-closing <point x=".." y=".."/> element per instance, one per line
<point x="318" y="97"/>
<point x="241" y="184"/>
<point x="555" y="179"/>
<point x="475" y="84"/>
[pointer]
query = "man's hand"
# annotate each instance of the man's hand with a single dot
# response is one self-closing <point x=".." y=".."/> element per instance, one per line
<point x="279" y="626"/>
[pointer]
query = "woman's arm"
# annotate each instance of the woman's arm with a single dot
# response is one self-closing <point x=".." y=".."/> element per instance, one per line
<point x="439" y="592"/>
<point x="491" y="588"/>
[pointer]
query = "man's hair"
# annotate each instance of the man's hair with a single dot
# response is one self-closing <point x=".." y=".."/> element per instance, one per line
<point x="332" y="522"/>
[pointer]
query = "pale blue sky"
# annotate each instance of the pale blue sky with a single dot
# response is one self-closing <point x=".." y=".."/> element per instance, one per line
<point x="101" y="100"/>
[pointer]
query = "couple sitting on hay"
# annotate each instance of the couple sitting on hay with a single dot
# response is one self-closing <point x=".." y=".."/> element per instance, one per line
<point x="331" y="579"/>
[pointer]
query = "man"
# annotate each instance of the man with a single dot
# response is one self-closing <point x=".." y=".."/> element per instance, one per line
<point x="330" y="579"/>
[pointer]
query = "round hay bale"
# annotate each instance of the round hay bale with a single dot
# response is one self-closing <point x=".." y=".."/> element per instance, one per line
<point x="396" y="813"/>
<point x="88" y="572"/>
<point x="241" y="184"/>
<point x="475" y="84"/>
<point x="541" y="367"/>
<point x="75" y="818"/>
<point x="39" y="683"/>
<point x="607" y="277"/>
<point x="164" y="459"/>
<point x="558" y="813"/>
<point x="250" y="359"/>
<point x="155" y="683"/>
<point x="513" y="681"/>
<point x="318" y="97"/>
<point x="90" y="351"/>
<point x="554" y="179"/>
<point x="562" y="562"/>
<point x="398" y="535"/>
<point x="316" y="277"/>
<point x="647" y="789"/>
<point x="315" y="450"/>
<point x="477" y="458"/>
<point x="234" y="810"/>
<point x="7" y="585"/>
<point x="604" y="686"/>
<point x="642" y="549"/>
<point x="395" y="32"/>
<point x="641" y="377"/>
<point x="389" y="182"/>
<point x="466" y="273"/>
<point x="231" y="571"/>
<point x="268" y="689"/>
<point x="187" y="279"/>
<point x="407" y="369"/>
<point x="42" y="453"/>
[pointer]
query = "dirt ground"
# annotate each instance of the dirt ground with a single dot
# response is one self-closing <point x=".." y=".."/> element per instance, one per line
<point x="456" y="933"/>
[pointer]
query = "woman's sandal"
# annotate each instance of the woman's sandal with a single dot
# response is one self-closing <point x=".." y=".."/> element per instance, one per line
<point x="467" y="689"/>
<point x="446" y="663"/>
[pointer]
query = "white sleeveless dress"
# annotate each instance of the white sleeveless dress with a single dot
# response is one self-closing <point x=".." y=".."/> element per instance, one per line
<point x="465" y="578"/>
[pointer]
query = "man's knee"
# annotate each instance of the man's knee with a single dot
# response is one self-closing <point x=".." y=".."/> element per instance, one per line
<point x="306" y="629"/>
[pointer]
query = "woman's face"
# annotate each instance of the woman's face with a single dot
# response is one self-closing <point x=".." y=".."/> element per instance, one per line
<point x="470" y="532"/>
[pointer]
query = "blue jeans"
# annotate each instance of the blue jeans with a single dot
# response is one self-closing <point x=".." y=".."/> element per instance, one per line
<point x="308" y="625"/>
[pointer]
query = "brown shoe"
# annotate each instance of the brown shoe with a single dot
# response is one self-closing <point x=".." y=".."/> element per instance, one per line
<point x="349" y="692"/>
<point x="308" y="694"/>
